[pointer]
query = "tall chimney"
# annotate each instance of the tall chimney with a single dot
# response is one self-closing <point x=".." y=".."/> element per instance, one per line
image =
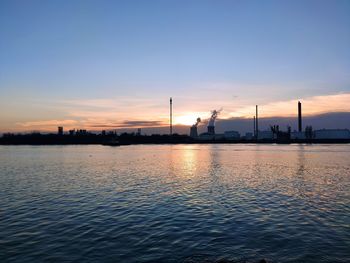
<point x="300" y="128"/>
<point x="256" y="120"/>
<point x="254" y="127"/>
<point x="171" y="116"/>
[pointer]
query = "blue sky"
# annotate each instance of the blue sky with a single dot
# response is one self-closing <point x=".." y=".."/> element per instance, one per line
<point x="108" y="61"/>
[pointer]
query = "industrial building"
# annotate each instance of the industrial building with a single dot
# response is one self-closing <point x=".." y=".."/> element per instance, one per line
<point x="60" y="130"/>
<point x="298" y="135"/>
<point x="211" y="134"/>
<point x="194" y="129"/>
<point x="274" y="134"/>
<point x="249" y="136"/>
<point x="232" y="135"/>
<point x="332" y="134"/>
<point x="265" y="135"/>
<point x="211" y="125"/>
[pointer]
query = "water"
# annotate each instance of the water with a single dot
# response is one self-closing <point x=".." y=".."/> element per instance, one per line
<point x="175" y="203"/>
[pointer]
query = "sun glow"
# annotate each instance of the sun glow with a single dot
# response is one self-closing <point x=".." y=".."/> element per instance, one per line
<point x="188" y="119"/>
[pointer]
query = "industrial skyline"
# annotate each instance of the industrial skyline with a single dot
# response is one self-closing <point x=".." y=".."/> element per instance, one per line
<point x="275" y="134"/>
<point x="206" y="124"/>
<point x="114" y="64"/>
<point x="212" y="131"/>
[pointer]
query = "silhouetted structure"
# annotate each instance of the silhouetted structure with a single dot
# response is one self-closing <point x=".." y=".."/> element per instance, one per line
<point x="274" y="135"/>
<point x="332" y="134"/>
<point x="281" y="136"/>
<point x="60" y="130"/>
<point x="275" y="130"/>
<point x="211" y="129"/>
<point x="254" y="131"/>
<point x="256" y="121"/>
<point x="211" y="124"/>
<point x="85" y="137"/>
<point x="194" y="130"/>
<point x="81" y="132"/>
<point x="171" y="116"/>
<point x="309" y="133"/>
<point x="299" y="117"/>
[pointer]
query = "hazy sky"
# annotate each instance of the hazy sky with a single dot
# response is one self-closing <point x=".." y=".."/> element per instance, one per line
<point x="87" y="64"/>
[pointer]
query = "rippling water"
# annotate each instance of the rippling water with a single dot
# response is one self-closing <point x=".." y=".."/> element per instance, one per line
<point x="175" y="203"/>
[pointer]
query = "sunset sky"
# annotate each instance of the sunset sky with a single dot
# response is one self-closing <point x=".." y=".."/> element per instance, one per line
<point x="113" y="64"/>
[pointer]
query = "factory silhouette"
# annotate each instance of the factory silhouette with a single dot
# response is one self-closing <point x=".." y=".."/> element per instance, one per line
<point x="272" y="135"/>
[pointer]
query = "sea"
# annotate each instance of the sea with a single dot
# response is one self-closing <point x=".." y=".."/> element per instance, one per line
<point x="175" y="203"/>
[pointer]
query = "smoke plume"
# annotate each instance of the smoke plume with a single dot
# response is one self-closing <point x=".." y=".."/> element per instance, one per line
<point x="214" y="115"/>
<point x="197" y="122"/>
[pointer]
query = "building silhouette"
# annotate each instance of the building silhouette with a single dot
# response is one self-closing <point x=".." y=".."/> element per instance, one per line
<point x="60" y="130"/>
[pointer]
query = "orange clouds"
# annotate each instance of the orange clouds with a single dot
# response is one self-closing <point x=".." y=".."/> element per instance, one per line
<point x="311" y="106"/>
<point x="133" y="113"/>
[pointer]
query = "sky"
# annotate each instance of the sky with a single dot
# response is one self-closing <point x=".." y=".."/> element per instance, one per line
<point x="114" y="64"/>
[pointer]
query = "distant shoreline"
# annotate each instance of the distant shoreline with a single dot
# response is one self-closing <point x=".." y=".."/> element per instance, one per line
<point x="135" y="139"/>
<point x="188" y="143"/>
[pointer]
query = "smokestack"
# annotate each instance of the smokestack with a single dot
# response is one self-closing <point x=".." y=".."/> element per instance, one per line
<point x="171" y="116"/>
<point x="300" y="128"/>
<point x="256" y="120"/>
<point x="193" y="130"/>
<point x="211" y="124"/>
<point x="254" y="127"/>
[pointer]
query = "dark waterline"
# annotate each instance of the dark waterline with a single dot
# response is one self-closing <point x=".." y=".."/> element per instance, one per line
<point x="175" y="203"/>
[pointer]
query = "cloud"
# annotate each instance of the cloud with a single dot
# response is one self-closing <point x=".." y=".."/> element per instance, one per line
<point x="93" y="104"/>
<point x="130" y="124"/>
<point x="311" y="106"/>
<point x="334" y="120"/>
<point x="143" y="123"/>
<point x="47" y="123"/>
<point x="125" y="108"/>
<point x="131" y="112"/>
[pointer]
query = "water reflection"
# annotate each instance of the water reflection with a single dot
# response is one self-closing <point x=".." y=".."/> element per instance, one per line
<point x="170" y="202"/>
<point x="300" y="171"/>
<point x="188" y="156"/>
